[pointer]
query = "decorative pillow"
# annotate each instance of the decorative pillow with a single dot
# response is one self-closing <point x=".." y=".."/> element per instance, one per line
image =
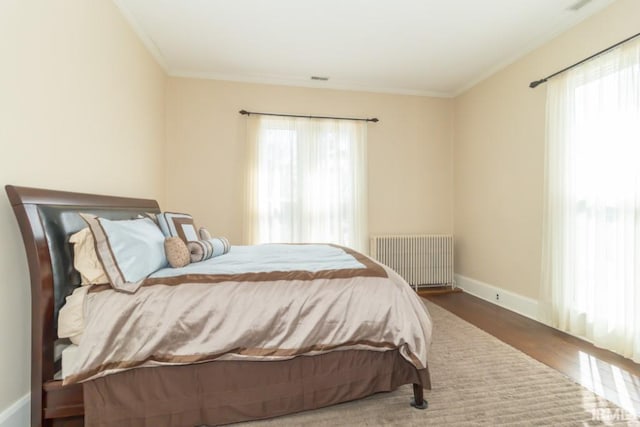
<point x="177" y="252"/>
<point x="205" y="249"/>
<point x="204" y="234"/>
<point x="85" y="259"/>
<point x="129" y="250"/>
<point x="177" y="225"/>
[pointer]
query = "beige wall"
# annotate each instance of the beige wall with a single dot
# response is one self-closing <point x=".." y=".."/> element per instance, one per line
<point x="499" y="156"/>
<point x="409" y="151"/>
<point x="81" y="108"/>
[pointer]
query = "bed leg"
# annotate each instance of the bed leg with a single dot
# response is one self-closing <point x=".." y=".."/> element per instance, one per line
<point x="418" y="401"/>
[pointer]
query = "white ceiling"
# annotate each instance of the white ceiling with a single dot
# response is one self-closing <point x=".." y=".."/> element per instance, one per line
<point x="423" y="47"/>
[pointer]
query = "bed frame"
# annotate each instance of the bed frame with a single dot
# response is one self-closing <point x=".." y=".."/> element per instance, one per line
<point x="46" y="219"/>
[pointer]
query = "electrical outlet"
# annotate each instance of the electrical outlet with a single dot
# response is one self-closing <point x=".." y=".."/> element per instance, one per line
<point x="497" y="297"/>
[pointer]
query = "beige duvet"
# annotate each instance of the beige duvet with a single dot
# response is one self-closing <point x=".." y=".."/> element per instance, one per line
<point x="265" y="303"/>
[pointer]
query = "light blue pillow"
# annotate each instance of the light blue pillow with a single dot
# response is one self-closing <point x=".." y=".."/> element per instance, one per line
<point x="129" y="250"/>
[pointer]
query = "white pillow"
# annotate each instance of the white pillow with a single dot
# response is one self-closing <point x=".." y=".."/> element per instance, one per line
<point x="129" y="250"/>
<point x="85" y="259"/>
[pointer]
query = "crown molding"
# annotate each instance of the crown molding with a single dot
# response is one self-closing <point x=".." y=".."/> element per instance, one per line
<point x="299" y="82"/>
<point x="142" y="34"/>
<point x="533" y="45"/>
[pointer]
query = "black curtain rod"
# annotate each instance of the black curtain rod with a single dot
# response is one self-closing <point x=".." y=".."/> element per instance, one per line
<point x="538" y="82"/>
<point x="248" y="113"/>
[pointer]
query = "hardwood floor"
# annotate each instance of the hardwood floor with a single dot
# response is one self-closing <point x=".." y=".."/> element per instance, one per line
<point x="605" y="373"/>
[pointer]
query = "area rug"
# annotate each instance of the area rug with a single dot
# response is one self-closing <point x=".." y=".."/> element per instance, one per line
<point x="477" y="381"/>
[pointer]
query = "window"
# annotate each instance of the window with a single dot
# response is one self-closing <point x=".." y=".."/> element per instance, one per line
<point x="307" y="181"/>
<point x="591" y="254"/>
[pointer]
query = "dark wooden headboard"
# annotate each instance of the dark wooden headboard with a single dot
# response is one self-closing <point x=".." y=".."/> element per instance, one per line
<point x="46" y="219"/>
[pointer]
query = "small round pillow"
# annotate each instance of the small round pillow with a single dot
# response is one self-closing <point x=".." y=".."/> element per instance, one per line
<point x="204" y="234"/>
<point x="177" y="252"/>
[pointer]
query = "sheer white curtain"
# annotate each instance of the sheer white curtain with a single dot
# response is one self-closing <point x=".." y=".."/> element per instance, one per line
<point x="307" y="181"/>
<point x="591" y="240"/>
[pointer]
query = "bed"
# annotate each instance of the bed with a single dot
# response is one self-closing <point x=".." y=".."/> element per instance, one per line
<point x="237" y="387"/>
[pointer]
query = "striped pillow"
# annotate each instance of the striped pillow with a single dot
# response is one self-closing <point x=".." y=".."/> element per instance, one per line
<point x="205" y="249"/>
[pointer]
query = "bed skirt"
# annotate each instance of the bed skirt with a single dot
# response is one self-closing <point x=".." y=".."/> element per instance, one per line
<point x="224" y="392"/>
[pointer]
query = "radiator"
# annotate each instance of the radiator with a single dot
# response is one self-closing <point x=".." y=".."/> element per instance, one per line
<point x="422" y="260"/>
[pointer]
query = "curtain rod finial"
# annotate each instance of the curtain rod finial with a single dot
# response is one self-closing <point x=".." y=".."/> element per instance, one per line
<point x="374" y="120"/>
<point x="243" y="112"/>
<point x="536" y="83"/>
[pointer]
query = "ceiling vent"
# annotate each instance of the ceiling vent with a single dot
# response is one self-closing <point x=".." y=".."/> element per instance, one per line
<point x="323" y="79"/>
<point x="579" y="5"/>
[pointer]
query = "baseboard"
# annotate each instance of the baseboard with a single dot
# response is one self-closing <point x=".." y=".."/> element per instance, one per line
<point x="525" y="306"/>
<point x="18" y="414"/>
